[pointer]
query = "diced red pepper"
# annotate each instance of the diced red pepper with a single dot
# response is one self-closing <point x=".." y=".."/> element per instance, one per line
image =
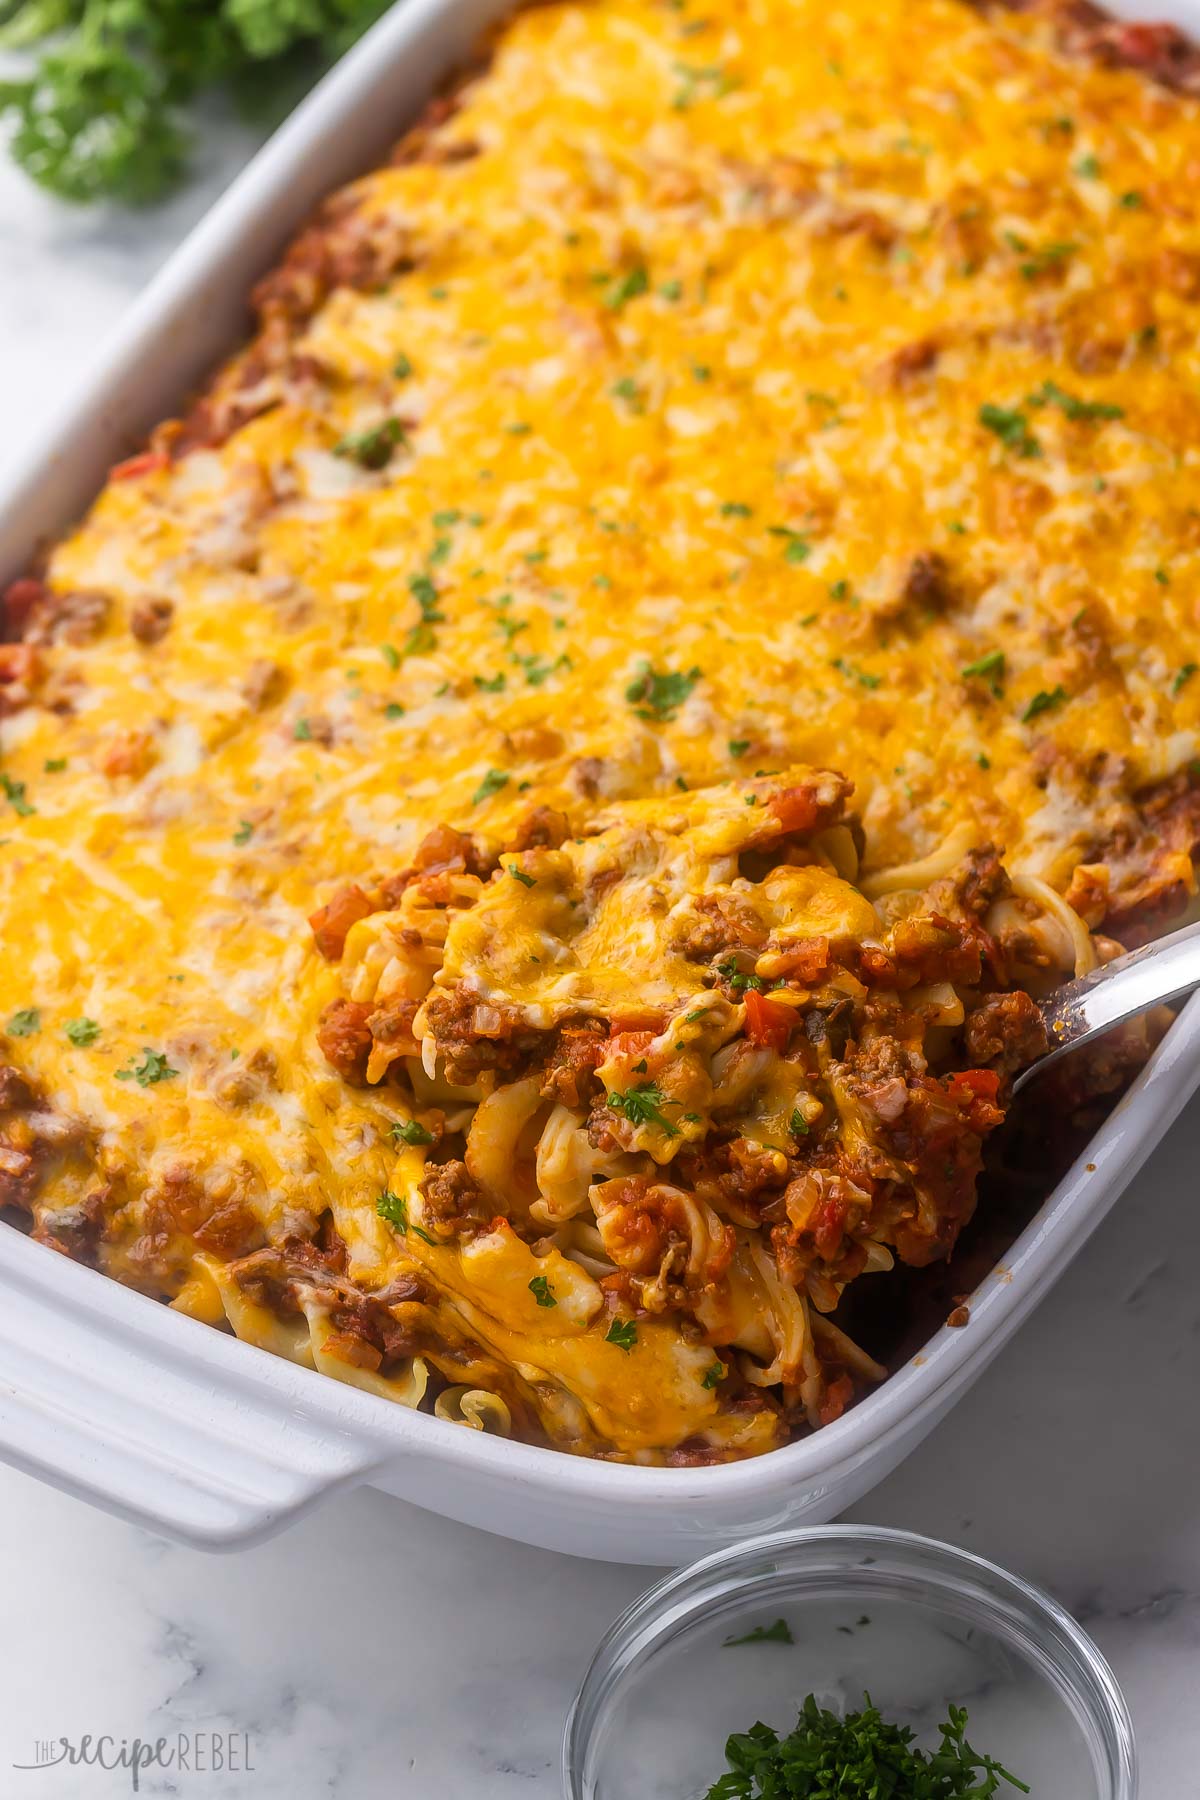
<point x="147" y="462"/>
<point x="768" y="1022"/>
<point x="974" y="1084"/>
<point x="796" y="808"/>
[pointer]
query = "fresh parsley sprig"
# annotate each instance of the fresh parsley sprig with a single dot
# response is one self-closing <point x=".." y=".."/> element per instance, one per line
<point x="859" y="1757"/>
<point x="102" y="113"/>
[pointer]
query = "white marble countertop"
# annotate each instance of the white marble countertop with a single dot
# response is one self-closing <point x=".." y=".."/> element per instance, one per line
<point x="379" y="1651"/>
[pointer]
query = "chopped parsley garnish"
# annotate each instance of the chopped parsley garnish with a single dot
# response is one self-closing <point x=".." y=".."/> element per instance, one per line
<point x="152" y="1069"/>
<point x="671" y="290"/>
<point x="493" y="684"/>
<point x="518" y="428"/>
<point x="1042" y="702"/>
<point x="736" y="509"/>
<point x="402" y="368"/>
<point x="735" y="978"/>
<point x="493" y="781"/>
<point x="54" y="765"/>
<point x="628" y="390"/>
<point x="393" y="710"/>
<point x="739" y="746"/>
<point x="425" y="594"/>
<point x="1132" y="200"/>
<point x="624" y="288"/>
<point x="1050" y="256"/>
<point x="860" y="1756"/>
<point x="714" y="1374"/>
<point x="81" y="1032"/>
<point x="540" y="1288"/>
<point x="796" y="547"/>
<point x="371" y="449"/>
<point x="798" y="1125"/>
<point x="410" y="1131"/>
<point x="302" y="731"/>
<point x="656" y="694"/>
<point x="623" y="1333"/>
<point x="244" y="832"/>
<point x="1184" y="676"/>
<point x="643" y="1104"/>
<point x="1012" y="428"/>
<point x="849" y="669"/>
<point x="985" y="666"/>
<point x="390" y="655"/>
<point x="778" y="1633"/>
<point x="25" y="1022"/>
<point x="14" y="792"/>
<point x="521" y="876"/>
<point x="394" y="1209"/>
<point x="1050" y="394"/>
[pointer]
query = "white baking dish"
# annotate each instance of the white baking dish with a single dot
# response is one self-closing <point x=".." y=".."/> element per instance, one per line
<point x="115" y="1398"/>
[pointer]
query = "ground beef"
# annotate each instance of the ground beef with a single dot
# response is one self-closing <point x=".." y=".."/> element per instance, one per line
<point x="150" y="620"/>
<point x="1005" y="1032"/>
<point x="473" y="1035"/>
<point x="345" y="1039"/>
<point x="455" y="1199"/>
<point x="542" y="829"/>
<point x="571" y="1074"/>
<point x="331" y="922"/>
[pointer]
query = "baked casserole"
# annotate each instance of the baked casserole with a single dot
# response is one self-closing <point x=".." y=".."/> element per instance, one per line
<point x="535" y="812"/>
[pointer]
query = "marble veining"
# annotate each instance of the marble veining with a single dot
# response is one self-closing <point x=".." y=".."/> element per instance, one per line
<point x="379" y="1651"/>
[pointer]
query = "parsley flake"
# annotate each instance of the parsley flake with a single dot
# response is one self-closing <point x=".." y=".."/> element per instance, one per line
<point x="657" y="694"/>
<point x="521" y="876"/>
<point x="540" y="1288"/>
<point x="623" y="1333"/>
<point x="14" y="792"/>
<point x="244" y="832"/>
<point x="796" y="547"/>
<point x="778" y="1633"/>
<point x="624" y="288"/>
<point x="394" y="1209"/>
<point x="493" y="781"/>
<point x="1050" y="394"/>
<point x="714" y="1374"/>
<point x="642" y="1105"/>
<point x="409" y="1131"/>
<point x="1012" y="428"/>
<point x="152" y="1069"/>
<point x="1042" y="702"/>
<point x="1184" y="676"/>
<point x="372" y="449"/>
<point x="24" y="1023"/>
<point x="81" y="1032"/>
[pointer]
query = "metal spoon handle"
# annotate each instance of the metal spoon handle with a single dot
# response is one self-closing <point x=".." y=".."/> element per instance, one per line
<point x="1093" y="1004"/>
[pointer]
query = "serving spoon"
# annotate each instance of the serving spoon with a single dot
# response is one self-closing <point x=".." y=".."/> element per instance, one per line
<point x="1131" y="984"/>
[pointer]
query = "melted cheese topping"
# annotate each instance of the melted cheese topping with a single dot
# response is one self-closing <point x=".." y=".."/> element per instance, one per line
<point x="777" y="383"/>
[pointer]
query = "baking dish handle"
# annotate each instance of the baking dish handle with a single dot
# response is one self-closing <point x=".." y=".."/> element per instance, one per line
<point x="156" y="1418"/>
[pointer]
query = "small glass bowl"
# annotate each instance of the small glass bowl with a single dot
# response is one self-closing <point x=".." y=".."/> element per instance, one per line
<point x="913" y="1623"/>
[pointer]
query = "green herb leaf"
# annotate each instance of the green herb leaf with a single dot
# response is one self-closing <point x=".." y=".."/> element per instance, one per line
<point x="1050" y="394"/>
<point x="642" y="1105"/>
<point x="394" y="1209"/>
<point x="1042" y="702"/>
<point x="152" y="1069"/>
<point x="81" y="1032"/>
<point x="244" y="833"/>
<point x="1184" y="676"/>
<point x="860" y="1756"/>
<point x="521" y="876"/>
<point x="14" y="792"/>
<point x="798" y="1125"/>
<point x="493" y="781"/>
<point x="409" y="1131"/>
<point x="24" y="1023"/>
<point x="796" y="546"/>
<point x="372" y="449"/>
<point x="540" y="1288"/>
<point x="656" y="694"/>
<point x="778" y="1633"/>
<point x="624" y="288"/>
<point x="1011" y="427"/>
<point x="623" y="1333"/>
<point x="990" y="665"/>
<point x="714" y="1375"/>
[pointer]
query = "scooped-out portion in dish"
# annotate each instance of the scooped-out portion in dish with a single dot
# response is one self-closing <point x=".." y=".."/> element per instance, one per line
<point x="690" y="589"/>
